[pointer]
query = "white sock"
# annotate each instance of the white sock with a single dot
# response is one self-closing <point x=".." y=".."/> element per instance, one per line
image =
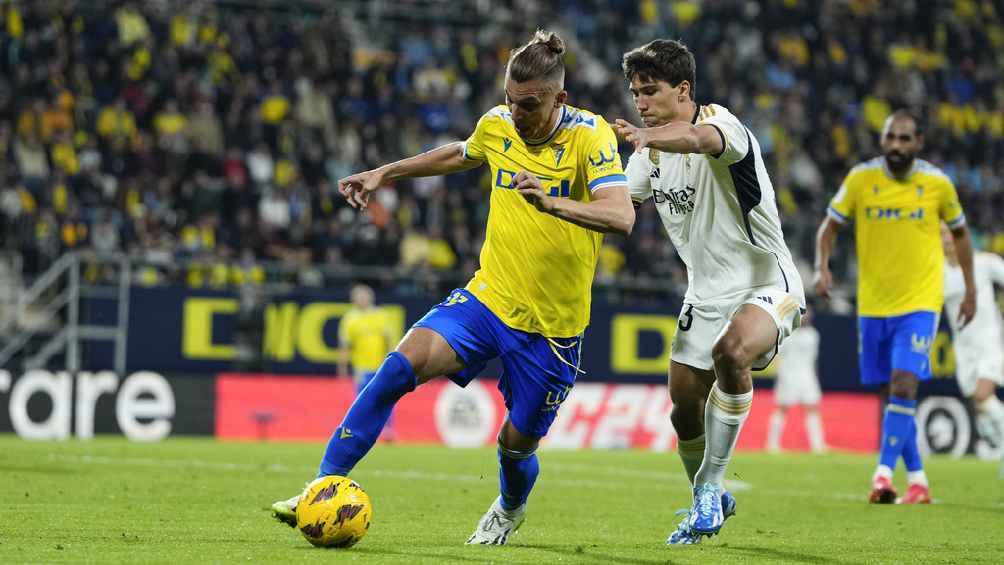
<point x="775" y="428"/>
<point x="916" y="478"/>
<point x="883" y="471"/>
<point x="814" y="427"/>
<point x="724" y="415"/>
<point x="990" y="419"/>
<point x="692" y="454"/>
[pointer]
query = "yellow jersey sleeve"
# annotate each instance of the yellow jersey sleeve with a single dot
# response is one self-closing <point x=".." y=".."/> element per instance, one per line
<point x="949" y="208"/>
<point x="602" y="162"/>
<point x="844" y="203"/>
<point x="474" y="147"/>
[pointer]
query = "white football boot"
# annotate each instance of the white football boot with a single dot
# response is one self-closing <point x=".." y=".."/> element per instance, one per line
<point x="497" y="525"/>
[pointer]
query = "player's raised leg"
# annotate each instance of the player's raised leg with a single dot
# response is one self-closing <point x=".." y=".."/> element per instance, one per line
<point x="750" y="334"/>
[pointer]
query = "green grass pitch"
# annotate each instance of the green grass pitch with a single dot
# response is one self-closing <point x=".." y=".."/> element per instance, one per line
<point x="202" y="501"/>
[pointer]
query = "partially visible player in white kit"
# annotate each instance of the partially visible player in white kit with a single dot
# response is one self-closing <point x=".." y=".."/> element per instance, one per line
<point x="979" y="347"/>
<point x="798" y="385"/>
<point x="704" y="170"/>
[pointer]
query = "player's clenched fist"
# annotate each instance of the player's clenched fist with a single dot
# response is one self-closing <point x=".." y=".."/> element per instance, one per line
<point x="357" y="188"/>
<point x="631" y="133"/>
<point x="529" y="187"/>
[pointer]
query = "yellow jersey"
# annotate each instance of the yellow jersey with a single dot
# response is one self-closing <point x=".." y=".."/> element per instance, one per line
<point x="536" y="269"/>
<point x="897" y="228"/>
<point x="366" y="334"/>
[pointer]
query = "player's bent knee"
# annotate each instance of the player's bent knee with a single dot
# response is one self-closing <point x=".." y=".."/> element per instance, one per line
<point x="511" y="440"/>
<point x="903" y="384"/>
<point x="731" y="353"/>
<point x="429" y="354"/>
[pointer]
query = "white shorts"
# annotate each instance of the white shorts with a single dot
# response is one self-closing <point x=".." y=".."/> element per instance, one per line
<point x="790" y="390"/>
<point x="700" y="325"/>
<point x="971" y="366"/>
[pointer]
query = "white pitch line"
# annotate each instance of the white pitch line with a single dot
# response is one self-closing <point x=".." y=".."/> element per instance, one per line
<point x="404" y="474"/>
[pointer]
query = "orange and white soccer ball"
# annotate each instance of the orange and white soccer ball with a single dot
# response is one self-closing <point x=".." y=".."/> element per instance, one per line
<point x="334" y="511"/>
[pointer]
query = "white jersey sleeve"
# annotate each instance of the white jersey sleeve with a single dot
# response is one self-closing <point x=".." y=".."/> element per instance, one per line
<point x="733" y="132"/>
<point x="638" y="170"/>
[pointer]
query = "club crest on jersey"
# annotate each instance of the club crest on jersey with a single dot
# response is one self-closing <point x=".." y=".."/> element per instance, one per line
<point x="653" y="157"/>
<point x="506" y="144"/>
<point x="559" y="152"/>
<point x="920" y="191"/>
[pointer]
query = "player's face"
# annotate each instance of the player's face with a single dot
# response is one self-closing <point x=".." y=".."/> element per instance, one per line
<point x="533" y="104"/>
<point x="362" y="297"/>
<point x="657" y="102"/>
<point x="900" y="143"/>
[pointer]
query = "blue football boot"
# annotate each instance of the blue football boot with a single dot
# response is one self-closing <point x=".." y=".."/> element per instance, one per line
<point x="706" y="517"/>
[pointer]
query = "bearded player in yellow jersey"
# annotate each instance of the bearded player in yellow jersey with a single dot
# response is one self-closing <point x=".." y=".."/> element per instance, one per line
<point x="897" y="203"/>
<point x="557" y="185"/>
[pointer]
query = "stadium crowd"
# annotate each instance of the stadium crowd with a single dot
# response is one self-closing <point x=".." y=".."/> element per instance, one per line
<point x="212" y="134"/>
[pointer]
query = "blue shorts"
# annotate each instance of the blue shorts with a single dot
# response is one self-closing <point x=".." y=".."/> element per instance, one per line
<point x="537" y="372"/>
<point x="897" y="342"/>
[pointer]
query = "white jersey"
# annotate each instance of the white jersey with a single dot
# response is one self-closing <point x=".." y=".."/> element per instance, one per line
<point x="797" y="382"/>
<point x="720" y="212"/>
<point x="983" y="335"/>
<point x="798" y="355"/>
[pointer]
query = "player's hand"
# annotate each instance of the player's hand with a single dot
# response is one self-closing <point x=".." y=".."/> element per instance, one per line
<point x="822" y="279"/>
<point x="357" y="188"/>
<point x="631" y="133"/>
<point x="967" y="309"/>
<point x="529" y="187"/>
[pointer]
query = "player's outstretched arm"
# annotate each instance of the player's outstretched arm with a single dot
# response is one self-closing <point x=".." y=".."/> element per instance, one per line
<point x="964" y="252"/>
<point x="674" y="137"/>
<point x="610" y="211"/>
<point x="825" y="236"/>
<point x="442" y="160"/>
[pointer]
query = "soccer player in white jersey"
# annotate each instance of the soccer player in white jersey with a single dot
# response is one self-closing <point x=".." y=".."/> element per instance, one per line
<point x="704" y="170"/>
<point x="798" y="385"/>
<point x="979" y="359"/>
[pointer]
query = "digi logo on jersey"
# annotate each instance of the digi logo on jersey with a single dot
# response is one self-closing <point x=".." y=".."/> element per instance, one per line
<point x="680" y="201"/>
<point x="506" y="179"/>
<point x="879" y="213"/>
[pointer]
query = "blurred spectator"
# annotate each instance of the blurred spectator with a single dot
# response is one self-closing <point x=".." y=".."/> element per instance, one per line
<point x="218" y="130"/>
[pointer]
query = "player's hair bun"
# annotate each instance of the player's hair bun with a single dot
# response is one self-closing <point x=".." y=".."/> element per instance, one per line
<point x="554" y="43"/>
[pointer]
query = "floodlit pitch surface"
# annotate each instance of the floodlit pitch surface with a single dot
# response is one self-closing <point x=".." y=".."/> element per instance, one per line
<point x="196" y="500"/>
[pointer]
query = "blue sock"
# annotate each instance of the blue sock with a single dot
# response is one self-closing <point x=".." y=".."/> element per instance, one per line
<point x="911" y="454"/>
<point x="896" y="429"/>
<point x="517" y="473"/>
<point x="366" y="417"/>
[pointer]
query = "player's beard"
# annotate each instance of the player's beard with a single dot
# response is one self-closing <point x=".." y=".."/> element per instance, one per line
<point x="898" y="162"/>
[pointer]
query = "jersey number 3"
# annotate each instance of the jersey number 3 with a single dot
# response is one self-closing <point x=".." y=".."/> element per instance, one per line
<point x="686" y="318"/>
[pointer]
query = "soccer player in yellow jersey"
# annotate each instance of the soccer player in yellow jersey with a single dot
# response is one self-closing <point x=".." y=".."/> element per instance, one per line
<point x="364" y="340"/>
<point x="897" y="203"/>
<point x="557" y="185"/>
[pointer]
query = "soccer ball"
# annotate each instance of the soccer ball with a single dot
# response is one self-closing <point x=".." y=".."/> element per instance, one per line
<point x="334" y="511"/>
